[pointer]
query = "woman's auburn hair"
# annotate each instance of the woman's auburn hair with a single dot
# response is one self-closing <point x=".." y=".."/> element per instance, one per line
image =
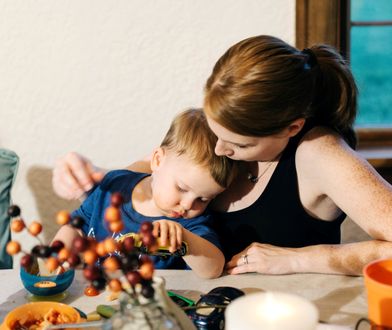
<point x="190" y="135"/>
<point x="262" y="84"/>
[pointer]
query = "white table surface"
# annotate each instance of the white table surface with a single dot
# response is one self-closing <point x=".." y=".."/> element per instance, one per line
<point x="341" y="300"/>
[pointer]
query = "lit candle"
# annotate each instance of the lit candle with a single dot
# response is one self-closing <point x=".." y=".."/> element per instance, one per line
<point x="271" y="311"/>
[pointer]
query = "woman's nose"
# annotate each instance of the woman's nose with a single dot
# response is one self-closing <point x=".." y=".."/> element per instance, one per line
<point x="222" y="150"/>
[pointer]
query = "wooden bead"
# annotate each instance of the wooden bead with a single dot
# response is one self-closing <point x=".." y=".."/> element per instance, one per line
<point x="35" y="228"/>
<point x="17" y="225"/>
<point x="63" y="217"/>
<point x="13" y="248"/>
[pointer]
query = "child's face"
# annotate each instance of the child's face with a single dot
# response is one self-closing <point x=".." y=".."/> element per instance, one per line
<point x="179" y="187"/>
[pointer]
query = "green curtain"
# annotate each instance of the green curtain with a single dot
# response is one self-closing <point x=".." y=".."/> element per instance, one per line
<point x="8" y="167"/>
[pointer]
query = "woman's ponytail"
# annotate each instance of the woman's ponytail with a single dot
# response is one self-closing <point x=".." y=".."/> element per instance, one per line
<point x="335" y="92"/>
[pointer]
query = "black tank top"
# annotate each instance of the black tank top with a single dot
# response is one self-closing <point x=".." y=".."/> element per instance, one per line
<point x="277" y="217"/>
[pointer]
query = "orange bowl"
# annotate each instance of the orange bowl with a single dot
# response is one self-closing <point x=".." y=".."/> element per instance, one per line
<point x="40" y="313"/>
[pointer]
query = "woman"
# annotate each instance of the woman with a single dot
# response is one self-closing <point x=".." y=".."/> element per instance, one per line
<point x="288" y="115"/>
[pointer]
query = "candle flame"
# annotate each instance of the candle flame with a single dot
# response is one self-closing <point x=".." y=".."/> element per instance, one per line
<point x="272" y="309"/>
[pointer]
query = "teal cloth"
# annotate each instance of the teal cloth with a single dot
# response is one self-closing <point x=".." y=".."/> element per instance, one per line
<point x="8" y="167"/>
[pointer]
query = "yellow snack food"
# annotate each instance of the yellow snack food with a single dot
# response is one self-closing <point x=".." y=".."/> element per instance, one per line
<point x="37" y="315"/>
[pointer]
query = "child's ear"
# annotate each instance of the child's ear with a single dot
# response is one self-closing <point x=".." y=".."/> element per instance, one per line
<point x="157" y="158"/>
<point x="295" y="127"/>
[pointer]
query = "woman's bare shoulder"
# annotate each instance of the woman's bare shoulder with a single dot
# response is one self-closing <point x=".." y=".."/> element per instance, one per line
<point x="323" y="144"/>
<point x="327" y="166"/>
<point x="321" y="137"/>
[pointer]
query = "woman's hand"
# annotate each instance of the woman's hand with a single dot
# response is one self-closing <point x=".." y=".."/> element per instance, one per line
<point x="74" y="174"/>
<point x="169" y="233"/>
<point x="263" y="258"/>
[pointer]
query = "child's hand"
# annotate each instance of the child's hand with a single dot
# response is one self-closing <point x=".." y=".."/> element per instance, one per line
<point x="169" y="233"/>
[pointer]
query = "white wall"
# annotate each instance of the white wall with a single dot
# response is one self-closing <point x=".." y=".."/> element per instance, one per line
<point x="105" y="78"/>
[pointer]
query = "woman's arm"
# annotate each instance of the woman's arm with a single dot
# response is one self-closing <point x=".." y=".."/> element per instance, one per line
<point x="347" y="259"/>
<point x="329" y="170"/>
<point x="74" y="174"/>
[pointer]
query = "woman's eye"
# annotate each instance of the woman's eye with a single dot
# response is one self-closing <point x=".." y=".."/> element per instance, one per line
<point x="240" y="146"/>
<point x="204" y="200"/>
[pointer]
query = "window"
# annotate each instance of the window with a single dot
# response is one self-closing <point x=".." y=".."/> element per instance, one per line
<point x="362" y="31"/>
<point x="371" y="58"/>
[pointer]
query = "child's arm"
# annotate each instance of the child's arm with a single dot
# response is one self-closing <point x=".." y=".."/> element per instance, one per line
<point x="205" y="259"/>
<point x="67" y="234"/>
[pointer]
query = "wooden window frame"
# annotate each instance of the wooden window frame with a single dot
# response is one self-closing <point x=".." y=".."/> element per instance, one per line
<point x="328" y="21"/>
<point x="322" y="21"/>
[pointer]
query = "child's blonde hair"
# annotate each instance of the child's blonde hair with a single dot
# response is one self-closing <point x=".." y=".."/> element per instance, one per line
<point x="190" y="135"/>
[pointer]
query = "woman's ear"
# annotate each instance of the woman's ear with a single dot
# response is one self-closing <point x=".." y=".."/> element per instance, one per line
<point x="157" y="158"/>
<point x="295" y="127"/>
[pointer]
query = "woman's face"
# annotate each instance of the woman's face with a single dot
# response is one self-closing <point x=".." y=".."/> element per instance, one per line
<point x="248" y="148"/>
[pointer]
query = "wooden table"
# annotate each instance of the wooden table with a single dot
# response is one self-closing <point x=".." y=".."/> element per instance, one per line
<point x="341" y="300"/>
